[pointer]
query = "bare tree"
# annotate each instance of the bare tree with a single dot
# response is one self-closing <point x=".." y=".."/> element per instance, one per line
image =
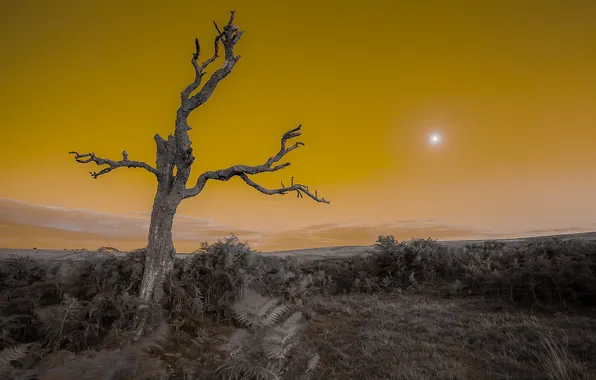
<point x="176" y="153"/>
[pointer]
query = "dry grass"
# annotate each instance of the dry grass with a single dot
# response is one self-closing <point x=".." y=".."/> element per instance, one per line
<point x="412" y="310"/>
<point x="391" y="336"/>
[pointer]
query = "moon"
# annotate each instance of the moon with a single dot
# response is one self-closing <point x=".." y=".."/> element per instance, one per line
<point x="434" y="139"/>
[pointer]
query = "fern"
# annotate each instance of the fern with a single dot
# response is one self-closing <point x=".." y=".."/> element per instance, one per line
<point x="10" y="354"/>
<point x="254" y="310"/>
<point x="265" y="348"/>
<point x="14" y="353"/>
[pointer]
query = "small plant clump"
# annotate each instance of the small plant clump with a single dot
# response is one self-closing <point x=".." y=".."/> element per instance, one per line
<point x="107" y="250"/>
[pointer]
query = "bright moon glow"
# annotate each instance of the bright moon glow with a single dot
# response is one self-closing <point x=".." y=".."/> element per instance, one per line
<point x="435" y="139"/>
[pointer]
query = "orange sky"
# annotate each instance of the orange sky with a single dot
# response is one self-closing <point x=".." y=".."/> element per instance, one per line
<point x="511" y="85"/>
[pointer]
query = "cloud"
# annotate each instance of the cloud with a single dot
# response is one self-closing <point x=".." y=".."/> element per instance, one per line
<point x="77" y="220"/>
<point x="111" y="226"/>
<point x="24" y="225"/>
<point x="556" y="231"/>
<point x="339" y="234"/>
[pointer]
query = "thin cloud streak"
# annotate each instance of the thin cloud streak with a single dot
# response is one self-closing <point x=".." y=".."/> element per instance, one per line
<point x="556" y="231"/>
<point x="57" y="227"/>
<point x="111" y="226"/>
<point x="336" y="234"/>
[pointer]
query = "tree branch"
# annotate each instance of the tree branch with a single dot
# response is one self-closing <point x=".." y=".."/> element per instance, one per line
<point x="298" y="188"/>
<point x="125" y="162"/>
<point x="243" y="170"/>
<point x="229" y="37"/>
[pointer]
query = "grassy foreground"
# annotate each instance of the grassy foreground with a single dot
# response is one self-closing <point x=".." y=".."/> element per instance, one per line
<point x="411" y="310"/>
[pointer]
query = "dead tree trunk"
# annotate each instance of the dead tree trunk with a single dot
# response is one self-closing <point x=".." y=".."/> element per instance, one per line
<point x="174" y="161"/>
<point x="160" y="248"/>
<point x="160" y="254"/>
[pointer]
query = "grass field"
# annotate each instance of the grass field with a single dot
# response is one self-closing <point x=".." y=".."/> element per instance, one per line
<point x="523" y="309"/>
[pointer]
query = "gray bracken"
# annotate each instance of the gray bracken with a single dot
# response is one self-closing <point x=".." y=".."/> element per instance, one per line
<point x="176" y="152"/>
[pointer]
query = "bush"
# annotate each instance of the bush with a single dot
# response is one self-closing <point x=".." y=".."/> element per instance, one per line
<point x="208" y="282"/>
<point x="386" y="243"/>
<point x="550" y="274"/>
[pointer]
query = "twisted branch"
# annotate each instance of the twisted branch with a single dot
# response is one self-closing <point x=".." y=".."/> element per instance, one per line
<point x="125" y="162"/>
<point x="242" y="171"/>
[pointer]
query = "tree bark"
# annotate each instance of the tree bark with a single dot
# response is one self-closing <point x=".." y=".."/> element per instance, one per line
<point x="160" y="255"/>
